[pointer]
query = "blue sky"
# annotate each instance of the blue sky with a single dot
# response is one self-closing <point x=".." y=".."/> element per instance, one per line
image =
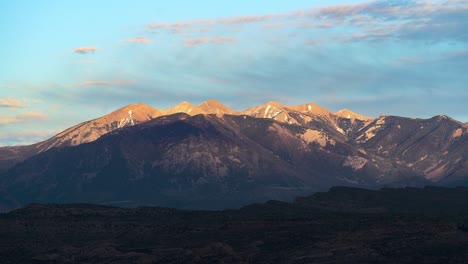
<point x="65" y="62"/>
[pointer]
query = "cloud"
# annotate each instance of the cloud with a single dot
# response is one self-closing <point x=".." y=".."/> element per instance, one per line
<point x="7" y="86"/>
<point x="11" y="102"/>
<point x="104" y="83"/>
<point x="22" y="117"/>
<point x="306" y="24"/>
<point x="204" y="40"/>
<point x="138" y="40"/>
<point x="366" y="21"/>
<point x="246" y="19"/>
<point x="24" y="137"/>
<point x="174" y="27"/>
<point x="85" y="50"/>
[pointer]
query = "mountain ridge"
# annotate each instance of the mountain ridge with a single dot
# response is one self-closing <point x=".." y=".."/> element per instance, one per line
<point x="190" y="160"/>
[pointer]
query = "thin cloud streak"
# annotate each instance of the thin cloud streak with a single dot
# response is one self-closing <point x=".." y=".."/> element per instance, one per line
<point x="10" y="102"/>
<point x="24" y="137"/>
<point x="104" y="83"/>
<point x="85" y="50"/>
<point x="204" y="40"/>
<point x="139" y="40"/>
<point x="22" y="117"/>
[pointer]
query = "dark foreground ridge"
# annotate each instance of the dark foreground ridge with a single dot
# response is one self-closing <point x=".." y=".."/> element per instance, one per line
<point x="344" y="225"/>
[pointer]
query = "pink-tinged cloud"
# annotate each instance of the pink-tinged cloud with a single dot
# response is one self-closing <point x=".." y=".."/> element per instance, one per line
<point x="430" y="19"/>
<point x="85" y="50"/>
<point x="105" y="83"/>
<point x="206" y="24"/>
<point x="175" y="27"/>
<point x="32" y="115"/>
<point x="156" y="26"/>
<point x="22" y="117"/>
<point x="138" y="40"/>
<point x="307" y="24"/>
<point x="10" y="102"/>
<point x="247" y="19"/>
<point x="179" y="24"/>
<point x="204" y="40"/>
<point x="344" y="9"/>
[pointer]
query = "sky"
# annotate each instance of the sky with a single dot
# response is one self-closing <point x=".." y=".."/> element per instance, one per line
<point x="65" y="62"/>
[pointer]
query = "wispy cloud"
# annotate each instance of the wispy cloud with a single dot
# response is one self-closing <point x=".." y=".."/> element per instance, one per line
<point x="365" y="21"/>
<point x="23" y="137"/>
<point x="22" y="117"/>
<point x="307" y="24"/>
<point x="104" y="83"/>
<point x="85" y="50"/>
<point x="138" y="40"/>
<point x="174" y="27"/>
<point x="7" y="86"/>
<point x="11" y="102"/>
<point x="247" y="19"/>
<point x="204" y="40"/>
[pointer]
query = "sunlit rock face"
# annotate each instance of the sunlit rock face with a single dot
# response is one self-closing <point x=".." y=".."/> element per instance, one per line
<point x="82" y="133"/>
<point x="209" y="156"/>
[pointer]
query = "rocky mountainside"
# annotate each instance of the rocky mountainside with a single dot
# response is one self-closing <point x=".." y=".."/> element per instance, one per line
<point x="208" y="107"/>
<point x="436" y="148"/>
<point x="344" y="225"/>
<point x="179" y="160"/>
<point x="91" y="130"/>
<point x="82" y="133"/>
<point x="209" y="156"/>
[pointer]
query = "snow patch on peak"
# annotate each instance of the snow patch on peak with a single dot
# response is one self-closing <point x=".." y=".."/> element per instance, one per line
<point x="348" y="114"/>
<point x="266" y="111"/>
<point x="127" y="120"/>
<point x="380" y="121"/>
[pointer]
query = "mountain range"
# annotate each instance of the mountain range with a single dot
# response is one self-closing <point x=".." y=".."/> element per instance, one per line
<point x="210" y="156"/>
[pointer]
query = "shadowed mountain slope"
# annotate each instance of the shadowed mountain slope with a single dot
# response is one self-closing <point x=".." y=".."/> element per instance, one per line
<point x="82" y="133"/>
<point x="138" y="155"/>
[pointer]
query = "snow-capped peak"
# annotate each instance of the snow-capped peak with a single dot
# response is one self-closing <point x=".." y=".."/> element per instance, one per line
<point x="127" y="120"/>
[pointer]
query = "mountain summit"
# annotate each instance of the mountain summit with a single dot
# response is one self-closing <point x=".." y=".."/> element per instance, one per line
<point x="208" y="107"/>
<point x="88" y="131"/>
<point x="85" y="132"/>
<point x="209" y="156"/>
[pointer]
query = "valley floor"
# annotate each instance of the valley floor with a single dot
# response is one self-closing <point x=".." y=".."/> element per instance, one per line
<point x="365" y="229"/>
